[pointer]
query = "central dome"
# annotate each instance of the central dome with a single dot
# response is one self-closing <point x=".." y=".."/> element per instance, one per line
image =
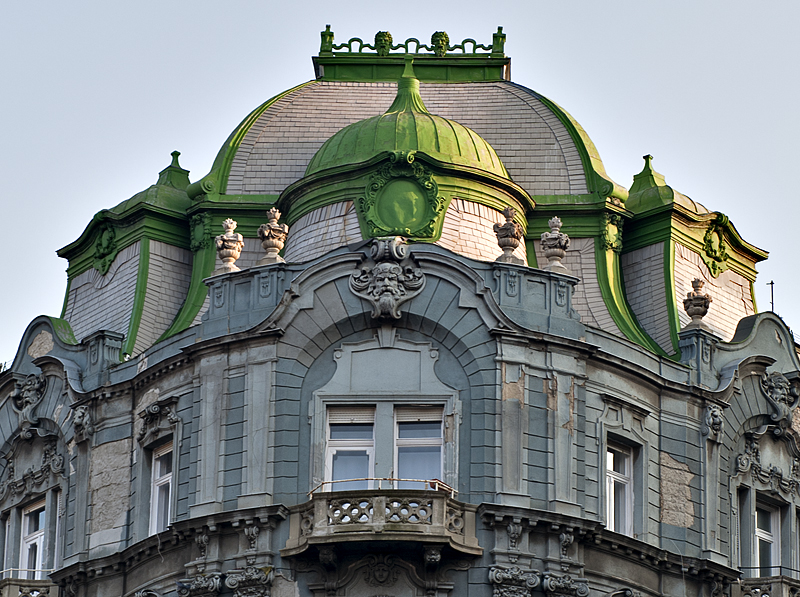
<point x="407" y="125"/>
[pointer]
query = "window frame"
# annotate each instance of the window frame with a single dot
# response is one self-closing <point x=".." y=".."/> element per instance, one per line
<point x="351" y="415"/>
<point x="409" y="414"/>
<point x="773" y="537"/>
<point x="35" y="539"/>
<point x="627" y="478"/>
<point x="157" y="482"/>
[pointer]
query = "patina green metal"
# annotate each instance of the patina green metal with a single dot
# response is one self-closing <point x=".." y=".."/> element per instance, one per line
<point x="358" y="60"/>
<point x="63" y="330"/>
<point x="139" y="296"/>
<point x="158" y="212"/>
<point x="407" y="126"/>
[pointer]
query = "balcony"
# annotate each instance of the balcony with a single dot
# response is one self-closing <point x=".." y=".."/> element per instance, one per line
<point x="430" y="515"/>
<point x="13" y="585"/>
<point x="770" y="586"/>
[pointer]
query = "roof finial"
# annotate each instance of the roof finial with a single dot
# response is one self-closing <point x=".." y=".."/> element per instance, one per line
<point x="408" y="98"/>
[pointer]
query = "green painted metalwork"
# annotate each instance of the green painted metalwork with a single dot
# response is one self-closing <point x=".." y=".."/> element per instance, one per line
<point x="671" y="298"/>
<point x="358" y="60"/>
<point x="407" y="126"/>
<point x="138" y="298"/>
<point x="63" y="330"/>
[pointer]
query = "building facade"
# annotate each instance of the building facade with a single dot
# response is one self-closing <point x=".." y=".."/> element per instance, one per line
<point x="406" y="338"/>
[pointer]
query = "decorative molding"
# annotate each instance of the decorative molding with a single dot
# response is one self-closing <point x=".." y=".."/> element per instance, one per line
<point x="564" y="586"/>
<point x="25" y="398"/>
<point x="158" y="419"/>
<point x="389" y="279"/>
<point x="250" y="582"/>
<point x="82" y="423"/>
<point x="783" y="396"/>
<point x="612" y="232"/>
<point x="713" y="423"/>
<point x="201" y="232"/>
<point x="146" y="593"/>
<point x="771" y="476"/>
<point x="513" y="581"/>
<point x="425" y="208"/>
<point x="105" y="248"/>
<point x="439" y="46"/>
<point x="715" y="249"/>
<point x="32" y="478"/>
<point x="203" y="585"/>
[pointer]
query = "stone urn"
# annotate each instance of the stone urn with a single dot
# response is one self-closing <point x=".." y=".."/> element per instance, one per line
<point x="229" y="247"/>
<point x="696" y="305"/>
<point x="554" y="245"/>
<point x="273" y="237"/>
<point x="509" y="237"/>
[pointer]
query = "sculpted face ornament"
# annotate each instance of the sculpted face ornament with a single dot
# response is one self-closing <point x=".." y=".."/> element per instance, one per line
<point x="388" y="279"/>
<point x="440" y="42"/>
<point x="25" y="397"/>
<point x="383" y="43"/>
<point x="782" y="396"/>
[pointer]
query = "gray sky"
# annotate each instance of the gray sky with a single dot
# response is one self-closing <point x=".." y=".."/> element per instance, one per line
<point x="96" y="94"/>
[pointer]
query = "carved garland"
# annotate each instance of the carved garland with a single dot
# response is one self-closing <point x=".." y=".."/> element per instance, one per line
<point x="771" y="476"/>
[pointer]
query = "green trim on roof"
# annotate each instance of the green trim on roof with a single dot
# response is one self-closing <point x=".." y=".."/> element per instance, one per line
<point x="671" y="298"/>
<point x="63" y="330"/>
<point x="138" y="298"/>
<point x="216" y="181"/>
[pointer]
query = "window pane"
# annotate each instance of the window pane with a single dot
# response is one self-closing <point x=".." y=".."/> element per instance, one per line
<point x="764" y="519"/>
<point x="351" y="431"/>
<point x="350" y="464"/>
<point x="419" y="462"/>
<point x="35" y="521"/>
<point x="164" y="464"/>
<point x="617" y="461"/>
<point x="765" y="557"/>
<point x="620" y="507"/>
<point x="419" y="429"/>
<point x="33" y="555"/>
<point x="162" y="507"/>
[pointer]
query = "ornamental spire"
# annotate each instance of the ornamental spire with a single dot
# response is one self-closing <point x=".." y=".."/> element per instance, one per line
<point x="408" y="98"/>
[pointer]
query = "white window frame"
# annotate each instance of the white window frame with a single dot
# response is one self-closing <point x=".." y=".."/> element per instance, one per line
<point x="408" y="414"/>
<point x="36" y="538"/>
<point x="772" y="537"/>
<point x="625" y="478"/>
<point x="156" y="483"/>
<point x="344" y="415"/>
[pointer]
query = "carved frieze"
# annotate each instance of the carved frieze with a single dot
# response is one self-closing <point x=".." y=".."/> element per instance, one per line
<point x="768" y="475"/>
<point x="389" y="279"/>
<point x="250" y="582"/>
<point x="513" y="581"/>
<point x="203" y="585"/>
<point x="564" y="586"/>
<point x="25" y="398"/>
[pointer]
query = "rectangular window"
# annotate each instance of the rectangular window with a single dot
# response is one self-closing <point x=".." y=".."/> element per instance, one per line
<point x="32" y="548"/>
<point x="767" y="538"/>
<point x="619" y="489"/>
<point x="161" y="489"/>
<point x="418" y="446"/>
<point x="350" y="453"/>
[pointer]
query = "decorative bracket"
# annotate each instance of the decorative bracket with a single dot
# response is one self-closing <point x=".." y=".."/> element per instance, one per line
<point x="158" y="419"/>
<point x="782" y="396"/>
<point x="513" y="581"/>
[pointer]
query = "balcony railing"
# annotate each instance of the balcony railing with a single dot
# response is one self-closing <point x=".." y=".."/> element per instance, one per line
<point x="418" y="515"/>
<point x="15" y="583"/>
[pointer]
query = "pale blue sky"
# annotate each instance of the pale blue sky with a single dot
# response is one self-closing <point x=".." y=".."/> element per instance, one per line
<point x="96" y="94"/>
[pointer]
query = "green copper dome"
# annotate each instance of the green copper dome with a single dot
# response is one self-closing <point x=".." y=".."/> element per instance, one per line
<point x="407" y="126"/>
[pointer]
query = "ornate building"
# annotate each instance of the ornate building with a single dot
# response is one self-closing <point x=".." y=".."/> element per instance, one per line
<point x="405" y="338"/>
